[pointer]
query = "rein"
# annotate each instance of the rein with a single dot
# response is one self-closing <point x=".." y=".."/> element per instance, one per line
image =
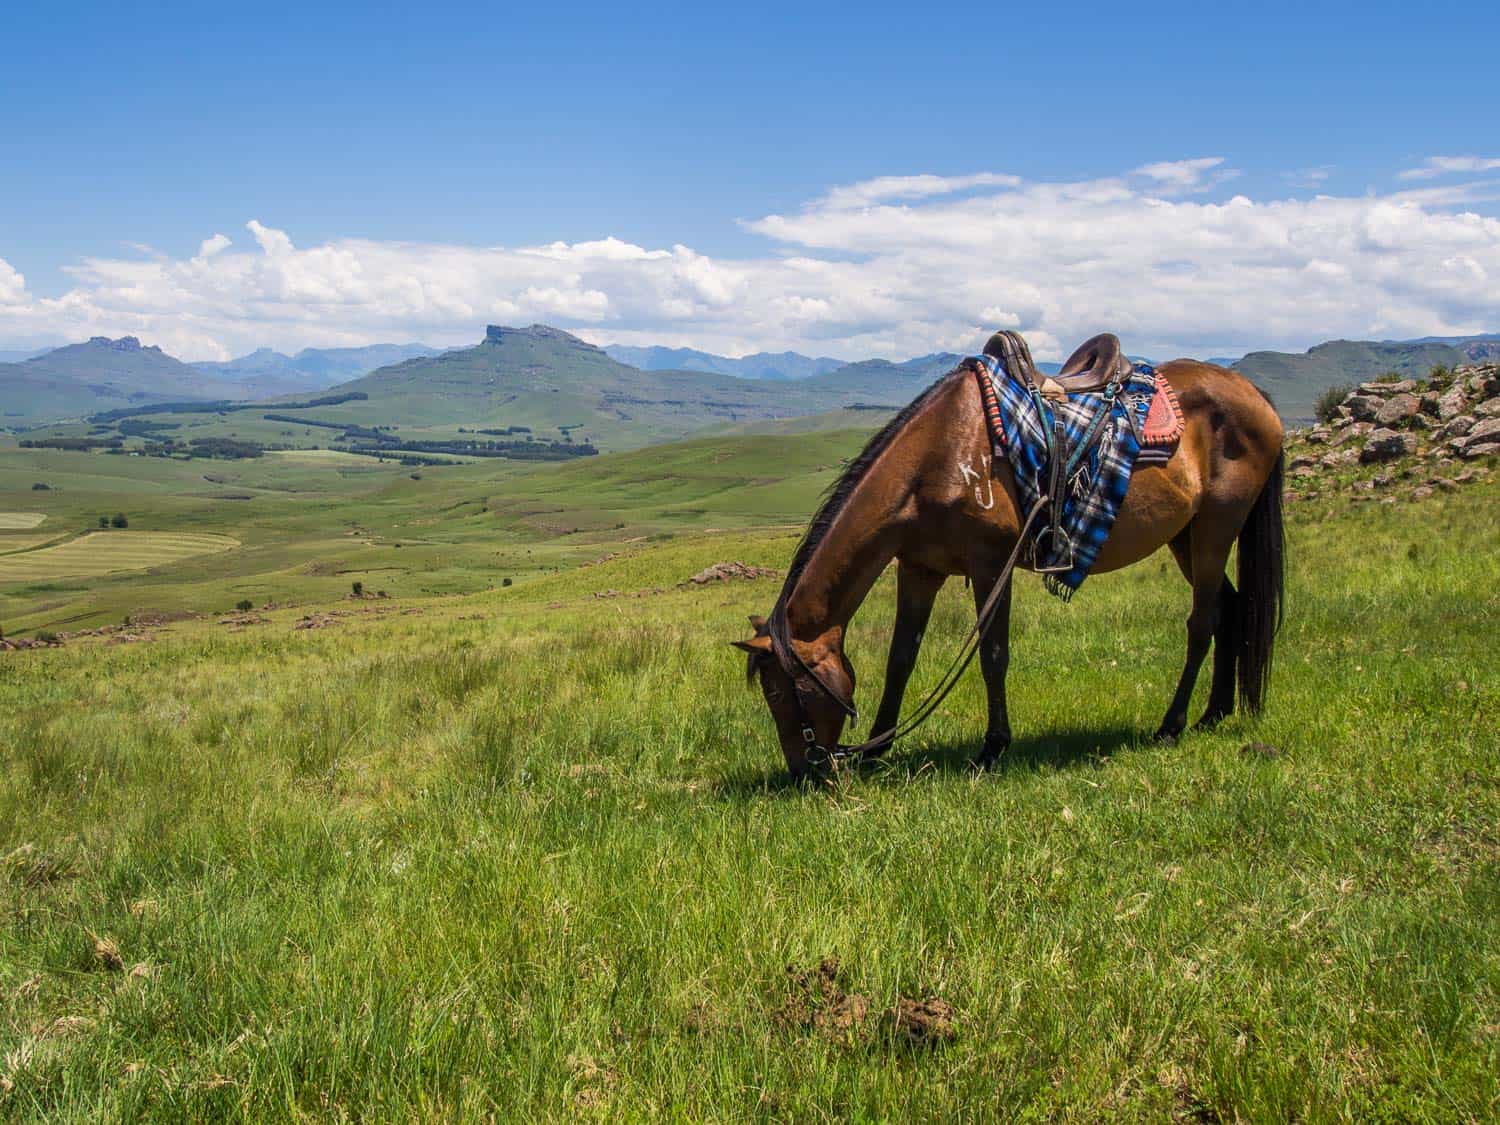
<point x="819" y="755"/>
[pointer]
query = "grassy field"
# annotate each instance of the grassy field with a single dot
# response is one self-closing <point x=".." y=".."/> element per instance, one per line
<point x="104" y="552"/>
<point x="529" y="852"/>
<point x="20" y="521"/>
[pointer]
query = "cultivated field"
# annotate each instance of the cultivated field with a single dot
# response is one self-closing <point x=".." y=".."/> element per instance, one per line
<point x="20" y="521"/>
<point x="103" y="552"/>
<point x="529" y="852"/>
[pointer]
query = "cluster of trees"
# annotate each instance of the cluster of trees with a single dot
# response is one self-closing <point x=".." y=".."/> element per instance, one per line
<point x="116" y="520"/>
<point x="73" y="444"/>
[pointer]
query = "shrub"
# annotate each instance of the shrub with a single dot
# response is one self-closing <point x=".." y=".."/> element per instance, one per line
<point x="103" y="521"/>
<point x="244" y="605"/>
<point x="1330" y="401"/>
<point x="1387" y="377"/>
<point x="416" y="476"/>
<point x="46" y="636"/>
<point x="1442" y="373"/>
<point x="40" y="487"/>
<point x="359" y="589"/>
<point x="505" y="582"/>
<point x="119" y="520"/>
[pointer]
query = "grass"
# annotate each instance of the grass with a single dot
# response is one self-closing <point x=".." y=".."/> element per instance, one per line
<point x="103" y="552"/>
<point x="529" y="853"/>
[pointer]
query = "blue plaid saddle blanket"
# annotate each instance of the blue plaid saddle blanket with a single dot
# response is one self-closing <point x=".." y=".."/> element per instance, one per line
<point x="1102" y="439"/>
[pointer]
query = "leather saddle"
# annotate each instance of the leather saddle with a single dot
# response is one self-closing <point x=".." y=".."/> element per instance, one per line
<point x="1091" y="367"/>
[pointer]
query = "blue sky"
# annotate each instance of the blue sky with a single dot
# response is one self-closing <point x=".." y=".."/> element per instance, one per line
<point x="135" y="132"/>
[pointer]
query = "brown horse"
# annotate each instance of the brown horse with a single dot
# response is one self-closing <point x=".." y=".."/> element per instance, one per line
<point x="912" y="495"/>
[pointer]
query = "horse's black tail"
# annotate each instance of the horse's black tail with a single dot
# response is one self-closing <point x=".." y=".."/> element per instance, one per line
<point x="1262" y="582"/>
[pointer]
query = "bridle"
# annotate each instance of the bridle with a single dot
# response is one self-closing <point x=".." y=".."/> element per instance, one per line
<point x="819" y="756"/>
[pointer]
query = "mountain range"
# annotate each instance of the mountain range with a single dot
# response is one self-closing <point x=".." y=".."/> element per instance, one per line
<point x="545" y="377"/>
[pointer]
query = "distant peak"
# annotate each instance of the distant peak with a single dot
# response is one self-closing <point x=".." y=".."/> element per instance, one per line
<point x="496" y="333"/>
<point x="123" y="344"/>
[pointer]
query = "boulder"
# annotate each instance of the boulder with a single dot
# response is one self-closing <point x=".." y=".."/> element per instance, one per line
<point x="1340" y="458"/>
<point x="1490" y="408"/>
<point x="1397" y="409"/>
<point x="1421" y="492"/>
<point x="1395" y="387"/>
<point x="1485" y="382"/>
<point x="1486" y="430"/>
<point x="1387" y="445"/>
<point x="1456" y="427"/>
<point x="1451" y="402"/>
<point x="1353" y="430"/>
<point x="1364" y="407"/>
<point x="1481" y="449"/>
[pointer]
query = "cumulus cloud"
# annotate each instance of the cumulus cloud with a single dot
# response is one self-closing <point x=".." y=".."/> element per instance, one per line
<point x="1435" y="166"/>
<point x="896" y="266"/>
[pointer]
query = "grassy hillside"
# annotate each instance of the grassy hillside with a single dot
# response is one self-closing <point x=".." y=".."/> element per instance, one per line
<point x="528" y="854"/>
<point x="1296" y="381"/>
<point x="309" y="523"/>
<point x="557" y="385"/>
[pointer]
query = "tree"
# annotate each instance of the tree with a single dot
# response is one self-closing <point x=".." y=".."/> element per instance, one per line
<point x="359" y="589"/>
<point x="244" y="605"/>
<point x="119" y="520"/>
<point x="103" y="521"/>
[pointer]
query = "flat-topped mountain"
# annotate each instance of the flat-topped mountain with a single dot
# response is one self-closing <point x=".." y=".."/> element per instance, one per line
<point x="551" y="383"/>
<point x="101" y="374"/>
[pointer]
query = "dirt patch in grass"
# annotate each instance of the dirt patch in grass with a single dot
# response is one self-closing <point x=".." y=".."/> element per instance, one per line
<point x="816" y="1001"/>
<point x="923" y="1023"/>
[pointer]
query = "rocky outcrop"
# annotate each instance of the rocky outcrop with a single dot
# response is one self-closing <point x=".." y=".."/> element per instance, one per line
<point x="1394" y="439"/>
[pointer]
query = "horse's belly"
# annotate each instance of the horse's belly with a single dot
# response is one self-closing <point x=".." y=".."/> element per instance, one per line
<point x="1160" y="502"/>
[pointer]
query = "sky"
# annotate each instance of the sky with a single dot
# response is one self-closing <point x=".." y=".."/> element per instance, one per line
<point x="839" y="180"/>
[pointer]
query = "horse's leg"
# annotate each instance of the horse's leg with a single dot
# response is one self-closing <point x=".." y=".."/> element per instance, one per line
<point x="1204" y="567"/>
<point x="916" y="589"/>
<point x="1226" y="641"/>
<point x="994" y="662"/>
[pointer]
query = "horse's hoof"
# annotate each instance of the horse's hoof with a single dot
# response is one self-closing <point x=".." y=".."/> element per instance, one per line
<point x="1165" y="737"/>
<point x="1210" y="720"/>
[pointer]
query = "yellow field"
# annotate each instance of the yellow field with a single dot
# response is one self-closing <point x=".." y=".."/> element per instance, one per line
<point x="15" y="541"/>
<point x="20" y="521"/>
<point x="101" y="552"/>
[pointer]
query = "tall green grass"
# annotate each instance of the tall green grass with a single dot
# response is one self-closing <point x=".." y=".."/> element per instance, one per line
<point x="531" y="854"/>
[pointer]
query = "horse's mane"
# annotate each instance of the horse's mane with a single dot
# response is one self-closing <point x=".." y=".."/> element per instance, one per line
<point x="829" y="507"/>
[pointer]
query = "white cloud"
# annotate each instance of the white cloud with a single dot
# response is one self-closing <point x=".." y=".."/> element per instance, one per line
<point x="1435" y="166"/>
<point x="211" y="246"/>
<point x="895" y="266"/>
<point x="884" y="189"/>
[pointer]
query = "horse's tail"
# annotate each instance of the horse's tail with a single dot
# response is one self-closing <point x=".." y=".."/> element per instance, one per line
<point x="1262" y="583"/>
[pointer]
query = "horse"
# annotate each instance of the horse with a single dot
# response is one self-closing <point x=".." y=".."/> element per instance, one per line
<point x="912" y="496"/>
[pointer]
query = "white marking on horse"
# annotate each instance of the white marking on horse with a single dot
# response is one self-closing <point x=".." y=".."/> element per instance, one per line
<point x="973" y="478"/>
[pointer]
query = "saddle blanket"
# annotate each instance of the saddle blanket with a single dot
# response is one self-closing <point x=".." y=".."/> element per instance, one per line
<point x="1103" y="438"/>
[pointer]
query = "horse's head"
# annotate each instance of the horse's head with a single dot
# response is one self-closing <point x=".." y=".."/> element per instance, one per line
<point x="805" y="690"/>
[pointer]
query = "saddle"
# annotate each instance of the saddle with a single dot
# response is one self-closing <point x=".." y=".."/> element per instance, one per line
<point x="1097" y="362"/>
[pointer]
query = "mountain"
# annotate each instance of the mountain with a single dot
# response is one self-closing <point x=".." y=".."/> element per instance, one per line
<point x="557" y="386"/>
<point x="1296" y="380"/>
<point x="265" y="373"/>
<point x="761" y="365"/>
<point x="19" y="356"/>
<point x="101" y="374"/>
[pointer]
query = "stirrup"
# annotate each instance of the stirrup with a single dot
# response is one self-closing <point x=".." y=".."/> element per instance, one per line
<point x="1052" y="531"/>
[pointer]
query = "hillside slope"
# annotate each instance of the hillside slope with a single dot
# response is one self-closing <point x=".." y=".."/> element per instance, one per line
<point x="553" y="383"/>
<point x="101" y="374"/>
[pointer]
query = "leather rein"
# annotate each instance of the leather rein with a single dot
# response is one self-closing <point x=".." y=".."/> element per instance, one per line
<point x="816" y="753"/>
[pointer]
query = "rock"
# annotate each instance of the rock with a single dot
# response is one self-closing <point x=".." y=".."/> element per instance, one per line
<point x="1397" y="409"/>
<point x="1363" y="486"/>
<point x="1364" y="407"/>
<point x="1468" y="476"/>
<point x="1421" y="492"/>
<point x="1481" y="449"/>
<point x="1485" y="383"/>
<point x="1451" y="402"/>
<point x="724" y="571"/>
<point x="1353" y="430"/>
<point x="1381" y="480"/>
<point x="1387" y="445"/>
<point x="1299" y="461"/>
<point x="1487" y="430"/>
<point x="1340" y="458"/>
<point x="1446" y="484"/>
<point x="1395" y="387"/>
<point x="1317" y="435"/>
<point x="1303" y="471"/>
<point x="1490" y="408"/>
<point x="1456" y="427"/>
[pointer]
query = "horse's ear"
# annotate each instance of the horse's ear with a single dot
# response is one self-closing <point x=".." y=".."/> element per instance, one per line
<point x="758" y="623"/>
<point x="755" y="646"/>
